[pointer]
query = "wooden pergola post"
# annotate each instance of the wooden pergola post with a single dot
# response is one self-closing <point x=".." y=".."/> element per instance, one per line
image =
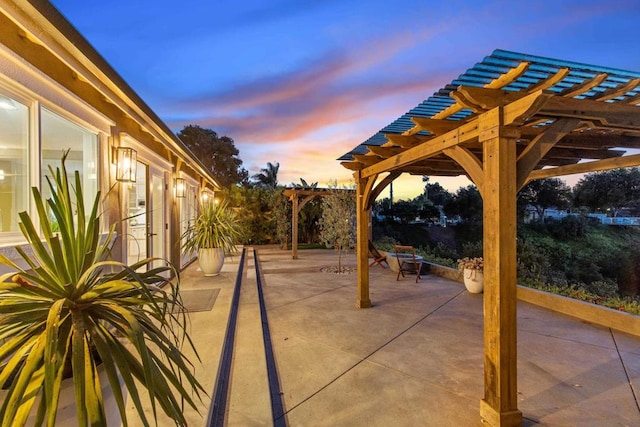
<point x="362" y="230"/>
<point x="294" y="226"/>
<point x="499" y="406"/>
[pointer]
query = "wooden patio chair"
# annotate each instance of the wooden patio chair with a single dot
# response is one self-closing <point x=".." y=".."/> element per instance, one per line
<point x="378" y="258"/>
<point x="407" y="262"/>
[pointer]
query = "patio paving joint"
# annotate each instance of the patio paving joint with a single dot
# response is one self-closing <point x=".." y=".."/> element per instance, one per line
<point x="624" y="368"/>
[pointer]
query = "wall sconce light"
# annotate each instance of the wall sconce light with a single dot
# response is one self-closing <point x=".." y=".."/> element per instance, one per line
<point x="126" y="164"/>
<point x="180" y="187"/>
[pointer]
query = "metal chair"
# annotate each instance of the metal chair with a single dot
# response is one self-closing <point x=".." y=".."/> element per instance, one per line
<point x="407" y="262"/>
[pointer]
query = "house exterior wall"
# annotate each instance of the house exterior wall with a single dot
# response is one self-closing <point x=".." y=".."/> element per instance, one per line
<point x="56" y="93"/>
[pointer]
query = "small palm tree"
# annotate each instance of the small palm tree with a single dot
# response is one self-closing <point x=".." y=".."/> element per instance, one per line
<point x="73" y="307"/>
<point x="268" y="177"/>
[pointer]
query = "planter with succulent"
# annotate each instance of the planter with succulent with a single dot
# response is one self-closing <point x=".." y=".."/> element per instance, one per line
<point x="472" y="270"/>
<point x="214" y="232"/>
<point x="74" y="309"/>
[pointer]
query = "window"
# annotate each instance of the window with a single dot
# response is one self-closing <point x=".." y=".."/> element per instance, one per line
<point x="14" y="162"/>
<point x="18" y="145"/>
<point x="59" y="135"/>
<point x="188" y="213"/>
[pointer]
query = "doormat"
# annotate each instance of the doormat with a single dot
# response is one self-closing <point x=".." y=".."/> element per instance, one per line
<point x="199" y="299"/>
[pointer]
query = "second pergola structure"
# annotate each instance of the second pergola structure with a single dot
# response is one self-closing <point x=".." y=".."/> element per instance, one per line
<point x="510" y="119"/>
<point x="299" y="197"/>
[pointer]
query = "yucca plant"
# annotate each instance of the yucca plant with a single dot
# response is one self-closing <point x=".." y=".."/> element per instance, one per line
<point x="215" y="227"/>
<point x="75" y="306"/>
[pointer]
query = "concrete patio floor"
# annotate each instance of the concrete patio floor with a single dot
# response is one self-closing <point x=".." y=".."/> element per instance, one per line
<point x="414" y="359"/>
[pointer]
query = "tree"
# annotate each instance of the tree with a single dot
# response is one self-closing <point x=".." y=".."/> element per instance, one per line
<point x="467" y="203"/>
<point x="217" y="153"/>
<point x="609" y="190"/>
<point x="305" y="184"/>
<point x="280" y="216"/>
<point x="338" y="222"/>
<point x="268" y="177"/>
<point x="546" y="193"/>
<point x="436" y="193"/>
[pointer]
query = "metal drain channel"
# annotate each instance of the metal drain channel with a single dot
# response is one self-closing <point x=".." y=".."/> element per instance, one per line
<point x="219" y="402"/>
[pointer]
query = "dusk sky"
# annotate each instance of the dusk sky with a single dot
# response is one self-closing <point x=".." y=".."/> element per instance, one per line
<point x="302" y="82"/>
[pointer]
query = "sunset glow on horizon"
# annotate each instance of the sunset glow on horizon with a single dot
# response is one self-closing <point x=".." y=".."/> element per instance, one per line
<point x="303" y="82"/>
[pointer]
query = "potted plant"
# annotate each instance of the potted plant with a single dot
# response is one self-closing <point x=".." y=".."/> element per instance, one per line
<point x="214" y="232"/>
<point x="472" y="271"/>
<point x="113" y="327"/>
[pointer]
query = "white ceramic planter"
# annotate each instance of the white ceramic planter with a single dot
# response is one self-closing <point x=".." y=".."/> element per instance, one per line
<point x="211" y="261"/>
<point x="473" y="280"/>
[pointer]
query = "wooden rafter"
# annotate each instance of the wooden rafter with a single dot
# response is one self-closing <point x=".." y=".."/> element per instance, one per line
<point x="618" y="91"/>
<point x="497" y="83"/>
<point x="479" y="99"/>
<point x="585" y="86"/>
<point x="633" y="100"/>
<point x="366" y="159"/>
<point x="434" y="127"/>
<point x="385" y="152"/>
<point x="550" y="81"/>
<point x="404" y="140"/>
<point x="354" y="166"/>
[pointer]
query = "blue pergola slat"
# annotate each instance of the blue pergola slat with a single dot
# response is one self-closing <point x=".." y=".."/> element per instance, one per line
<point x="492" y="67"/>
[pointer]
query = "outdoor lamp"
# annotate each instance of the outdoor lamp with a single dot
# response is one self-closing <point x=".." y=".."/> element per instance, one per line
<point x="180" y="187"/>
<point x="126" y="163"/>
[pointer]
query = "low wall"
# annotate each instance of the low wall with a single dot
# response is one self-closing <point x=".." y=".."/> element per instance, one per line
<point x="582" y="310"/>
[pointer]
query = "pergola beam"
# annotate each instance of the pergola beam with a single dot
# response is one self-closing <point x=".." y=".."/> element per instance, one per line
<point x="594" y="166"/>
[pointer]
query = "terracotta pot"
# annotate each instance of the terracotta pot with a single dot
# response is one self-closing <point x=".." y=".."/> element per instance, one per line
<point x="210" y="261"/>
<point x="473" y="280"/>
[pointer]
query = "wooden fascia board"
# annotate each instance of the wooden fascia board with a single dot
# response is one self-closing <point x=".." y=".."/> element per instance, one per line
<point x="597" y="165"/>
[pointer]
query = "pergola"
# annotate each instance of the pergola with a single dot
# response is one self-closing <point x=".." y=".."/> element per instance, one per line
<point x="307" y="194"/>
<point x="510" y="119"/>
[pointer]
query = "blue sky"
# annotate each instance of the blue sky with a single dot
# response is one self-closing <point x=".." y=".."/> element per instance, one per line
<point x="303" y="82"/>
